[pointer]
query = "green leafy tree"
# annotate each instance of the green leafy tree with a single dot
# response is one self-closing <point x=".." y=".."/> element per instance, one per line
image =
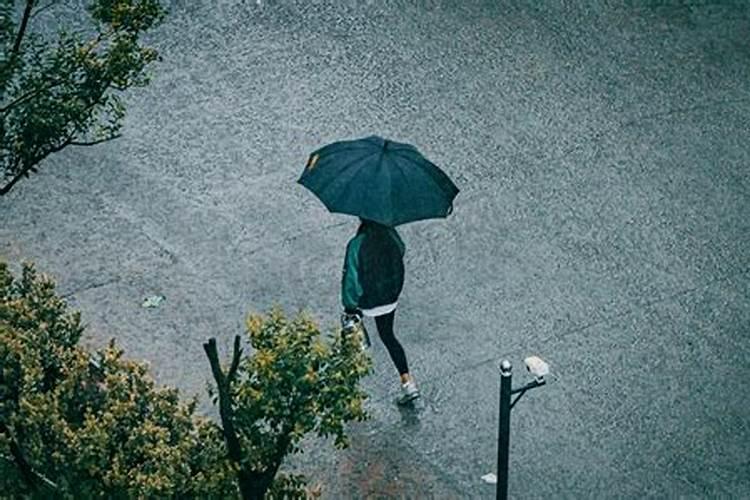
<point x="77" y="425"/>
<point x="62" y="93"/>
<point x="295" y="383"/>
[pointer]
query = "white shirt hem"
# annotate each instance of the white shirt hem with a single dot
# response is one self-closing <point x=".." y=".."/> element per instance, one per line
<point x="380" y="310"/>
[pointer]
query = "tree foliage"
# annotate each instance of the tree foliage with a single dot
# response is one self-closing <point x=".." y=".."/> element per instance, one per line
<point x="295" y="383"/>
<point x="75" y="424"/>
<point x="91" y="425"/>
<point x="62" y="93"/>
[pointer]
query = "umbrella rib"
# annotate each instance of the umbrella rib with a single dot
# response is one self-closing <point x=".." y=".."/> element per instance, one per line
<point x="344" y="192"/>
<point x="421" y="167"/>
<point x="322" y="189"/>
<point x="405" y="179"/>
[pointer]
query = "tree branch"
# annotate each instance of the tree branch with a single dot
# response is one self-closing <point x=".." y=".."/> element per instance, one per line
<point x="40" y="9"/>
<point x="236" y="353"/>
<point x="92" y="143"/>
<point x="225" y="407"/>
<point x="26" y="471"/>
<point x="93" y="43"/>
<point x="22" y="29"/>
<point x="29" y="95"/>
<point x="47" y="482"/>
<point x="87" y="48"/>
<point x="282" y="445"/>
<point x="57" y="148"/>
<point x="30" y="166"/>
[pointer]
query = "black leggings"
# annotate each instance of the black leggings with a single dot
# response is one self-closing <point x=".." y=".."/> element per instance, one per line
<point x="385" y="330"/>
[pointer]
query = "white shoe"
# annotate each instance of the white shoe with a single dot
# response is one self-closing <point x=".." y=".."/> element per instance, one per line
<point x="409" y="392"/>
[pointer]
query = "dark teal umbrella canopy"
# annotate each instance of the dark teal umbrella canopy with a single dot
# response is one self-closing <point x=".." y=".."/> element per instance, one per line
<point x="377" y="179"/>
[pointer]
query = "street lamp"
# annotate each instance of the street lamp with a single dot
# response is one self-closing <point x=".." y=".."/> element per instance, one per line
<point x="539" y="369"/>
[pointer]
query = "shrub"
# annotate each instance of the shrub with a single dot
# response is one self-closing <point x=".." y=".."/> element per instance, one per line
<point x="91" y="425"/>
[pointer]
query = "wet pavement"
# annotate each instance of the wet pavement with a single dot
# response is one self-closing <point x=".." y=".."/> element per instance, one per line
<point x="601" y="149"/>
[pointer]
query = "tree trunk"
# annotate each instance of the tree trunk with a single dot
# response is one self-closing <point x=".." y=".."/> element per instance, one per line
<point x="260" y="485"/>
<point x="251" y="487"/>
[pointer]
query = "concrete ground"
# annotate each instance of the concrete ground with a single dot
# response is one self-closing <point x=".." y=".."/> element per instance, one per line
<point x="601" y="149"/>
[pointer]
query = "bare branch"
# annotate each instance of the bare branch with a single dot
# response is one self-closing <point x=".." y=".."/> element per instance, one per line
<point x="92" y="143"/>
<point x="68" y="140"/>
<point x="22" y="28"/>
<point x="236" y="353"/>
<point x="213" y="359"/>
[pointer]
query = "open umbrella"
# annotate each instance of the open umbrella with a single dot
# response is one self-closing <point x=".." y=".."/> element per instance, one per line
<point x="377" y="179"/>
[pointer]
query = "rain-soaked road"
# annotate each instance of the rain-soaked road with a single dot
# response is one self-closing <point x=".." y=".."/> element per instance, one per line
<point x="603" y="223"/>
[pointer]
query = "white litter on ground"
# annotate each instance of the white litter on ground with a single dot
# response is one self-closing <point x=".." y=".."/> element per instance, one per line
<point x="490" y="478"/>
<point x="153" y="301"/>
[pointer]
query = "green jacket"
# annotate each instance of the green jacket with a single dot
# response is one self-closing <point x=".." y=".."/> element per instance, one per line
<point x="373" y="268"/>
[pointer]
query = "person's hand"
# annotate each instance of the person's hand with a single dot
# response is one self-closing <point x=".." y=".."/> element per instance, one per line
<point x="354" y="313"/>
<point x="350" y="319"/>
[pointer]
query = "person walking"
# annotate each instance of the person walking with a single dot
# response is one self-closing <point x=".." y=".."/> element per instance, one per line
<point x="385" y="183"/>
<point x="373" y="277"/>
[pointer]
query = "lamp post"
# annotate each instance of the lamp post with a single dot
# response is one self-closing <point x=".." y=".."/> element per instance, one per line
<point x="539" y="368"/>
<point x="503" y="439"/>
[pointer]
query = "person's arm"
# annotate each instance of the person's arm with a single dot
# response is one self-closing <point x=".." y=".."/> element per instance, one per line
<point x="351" y="288"/>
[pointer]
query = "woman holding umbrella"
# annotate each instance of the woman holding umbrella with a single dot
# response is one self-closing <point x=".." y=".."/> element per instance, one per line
<point x="372" y="281"/>
<point x="385" y="183"/>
